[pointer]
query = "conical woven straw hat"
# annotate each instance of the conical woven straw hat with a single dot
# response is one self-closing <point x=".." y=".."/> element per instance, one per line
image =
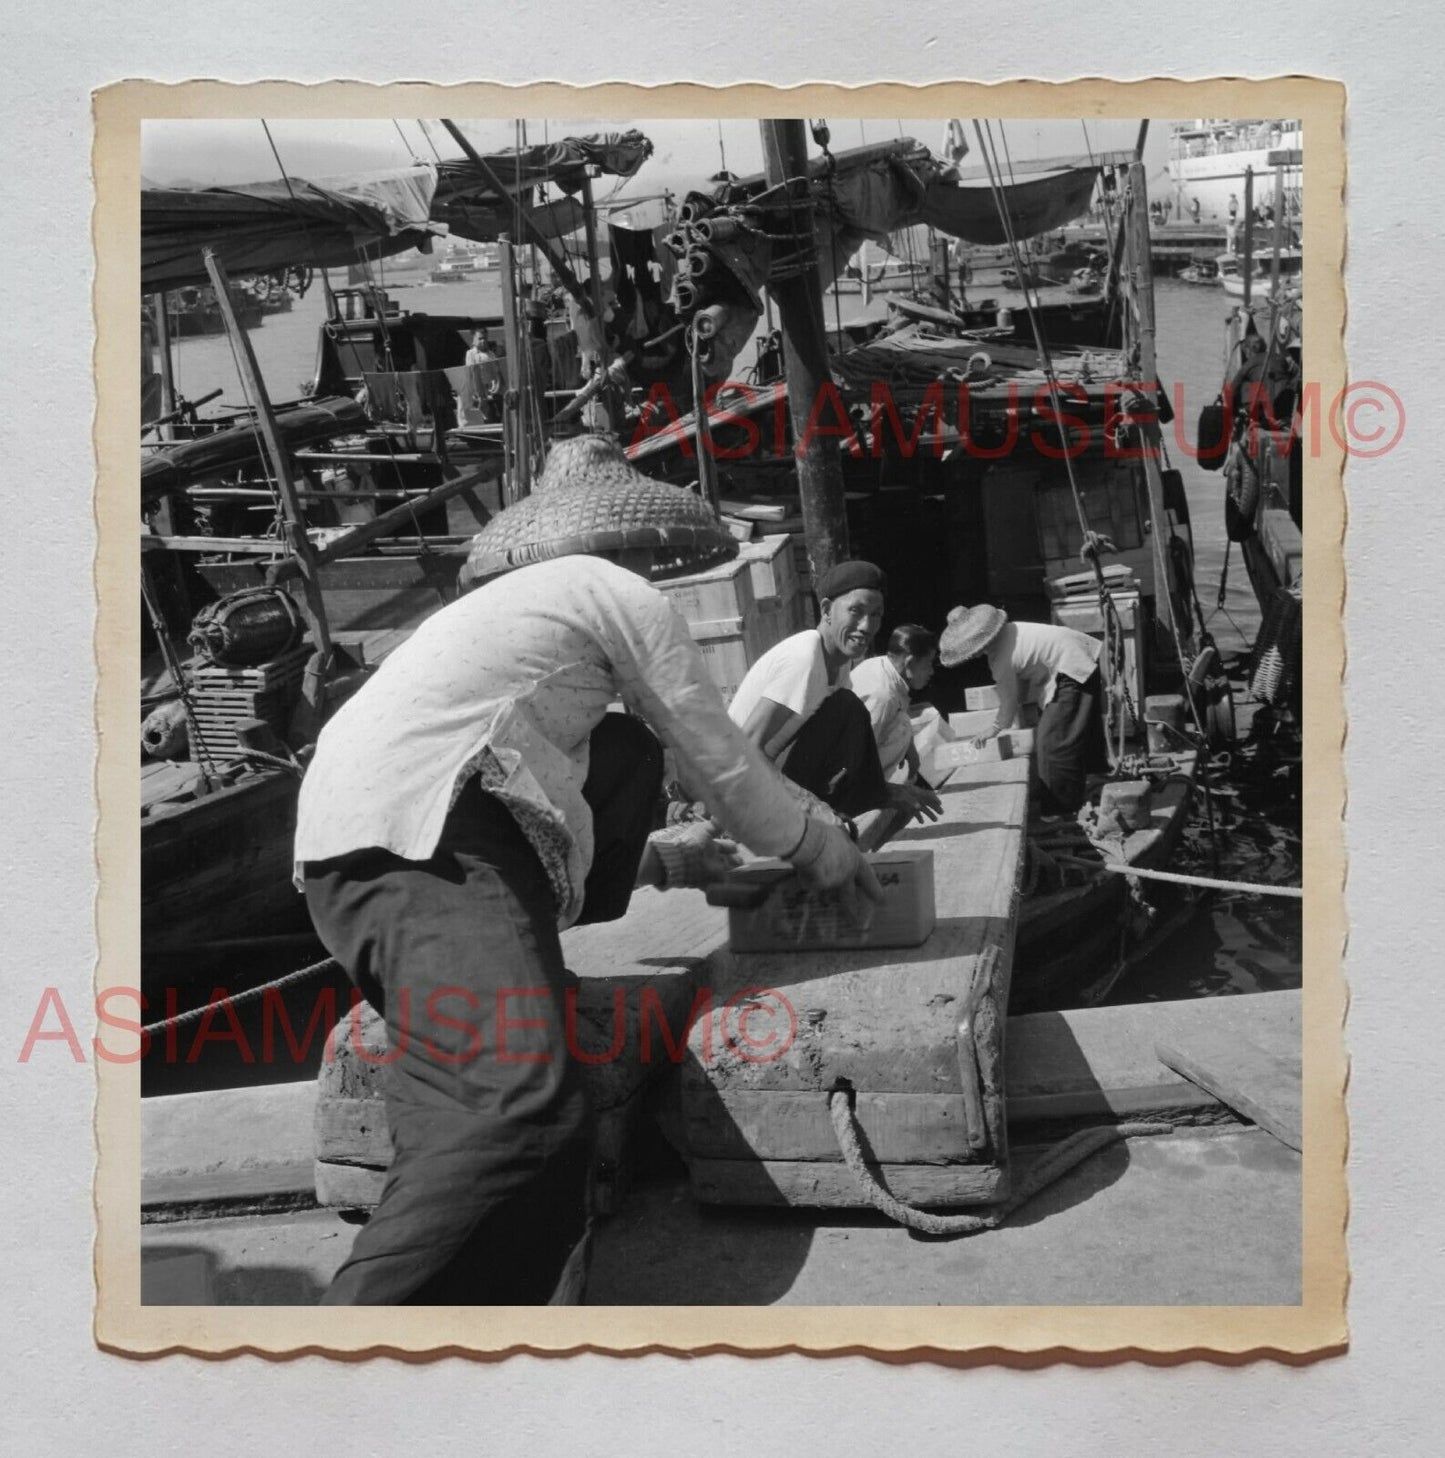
<point x="589" y="499"/>
<point x="969" y="632"/>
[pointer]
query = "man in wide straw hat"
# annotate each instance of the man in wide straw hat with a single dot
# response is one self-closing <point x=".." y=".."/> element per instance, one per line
<point x="1053" y="667"/>
<point x="474" y="798"/>
<point x="796" y="703"/>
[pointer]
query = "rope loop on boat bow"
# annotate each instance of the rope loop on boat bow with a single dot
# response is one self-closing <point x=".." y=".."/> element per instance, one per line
<point x="1063" y="1157"/>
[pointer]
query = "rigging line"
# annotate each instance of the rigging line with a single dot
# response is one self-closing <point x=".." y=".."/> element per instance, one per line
<point x="426" y="132"/>
<point x="280" y="165"/>
<point x="722" y="155"/>
<point x="1108" y="609"/>
<point x="1050" y="375"/>
<point x="1008" y="157"/>
<point x="410" y="150"/>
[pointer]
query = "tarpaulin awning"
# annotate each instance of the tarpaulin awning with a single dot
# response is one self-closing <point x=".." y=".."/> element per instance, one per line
<point x="468" y="203"/>
<point x="879" y="188"/>
<point x="1036" y="205"/>
<point x="268" y="227"/>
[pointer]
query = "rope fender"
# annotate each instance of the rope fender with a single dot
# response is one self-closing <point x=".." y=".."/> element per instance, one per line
<point x="1057" y="1162"/>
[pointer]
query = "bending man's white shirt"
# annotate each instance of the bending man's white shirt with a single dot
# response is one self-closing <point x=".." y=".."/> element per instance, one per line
<point x="1026" y="660"/>
<point x="509" y="682"/>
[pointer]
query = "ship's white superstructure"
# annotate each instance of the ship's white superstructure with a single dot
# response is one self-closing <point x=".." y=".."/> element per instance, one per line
<point x="1208" y="158"/>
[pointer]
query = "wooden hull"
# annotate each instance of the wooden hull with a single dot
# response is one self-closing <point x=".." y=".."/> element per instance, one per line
<point x="220" y="866"/>
<point x="1067" y="938"/>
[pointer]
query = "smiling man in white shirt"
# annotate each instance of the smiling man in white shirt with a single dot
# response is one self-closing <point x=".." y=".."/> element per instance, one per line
<point x="797" y="705"/>
<point x="476" y="797"/>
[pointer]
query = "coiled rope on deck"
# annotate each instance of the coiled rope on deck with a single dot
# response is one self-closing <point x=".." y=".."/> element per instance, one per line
<point x="1057" y="1162"/>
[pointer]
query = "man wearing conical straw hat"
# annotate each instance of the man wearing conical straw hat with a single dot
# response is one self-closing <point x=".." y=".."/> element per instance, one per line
<point x="473" y="799"/>
<point x="1044" y="664"/>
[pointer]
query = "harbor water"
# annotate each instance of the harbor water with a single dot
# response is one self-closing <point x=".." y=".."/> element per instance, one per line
<point x="1227" y="943"/>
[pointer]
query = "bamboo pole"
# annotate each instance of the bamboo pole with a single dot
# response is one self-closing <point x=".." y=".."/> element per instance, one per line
<point x="518" y="479"/>
<point x="805" y="355"/>
<point x="296" y="539"/>
<point x="168" y="378"/>
<point x="1248" y="234"/>
<point x="594" y="262"/>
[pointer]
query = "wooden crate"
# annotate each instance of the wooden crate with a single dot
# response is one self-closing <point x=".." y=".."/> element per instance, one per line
<point x="216" y="678"/>
<point x="795" y="918"/>
<point x="773" y="566"/>
<point x="715" y="595"/>
<point x="224" y="697"/>
<point x="730" y="646"/>
<point x="1083" y="614"/>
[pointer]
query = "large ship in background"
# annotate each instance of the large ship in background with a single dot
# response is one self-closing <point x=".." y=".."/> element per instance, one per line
<point x="1207" y="161"/>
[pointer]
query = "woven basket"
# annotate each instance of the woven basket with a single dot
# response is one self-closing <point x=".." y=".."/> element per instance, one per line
<point x="589" y="500"/>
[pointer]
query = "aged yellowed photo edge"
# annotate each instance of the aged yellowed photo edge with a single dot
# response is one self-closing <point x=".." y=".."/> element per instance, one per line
<point x="1317" y="1326"/>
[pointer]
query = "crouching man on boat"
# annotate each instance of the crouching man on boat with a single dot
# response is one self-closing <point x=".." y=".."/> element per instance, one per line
<point x="797" y="705"/>
<point x="886" y="685"/>
<point x="1053" y="667"/>
<point x="475" y="798"/>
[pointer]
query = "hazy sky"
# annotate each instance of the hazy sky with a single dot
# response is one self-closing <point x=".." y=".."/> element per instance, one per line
<point x="210" y="152"/>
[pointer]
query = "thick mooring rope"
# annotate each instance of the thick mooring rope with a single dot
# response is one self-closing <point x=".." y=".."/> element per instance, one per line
<point x="301" y="974"/>
<point x="1058" y="1161"/>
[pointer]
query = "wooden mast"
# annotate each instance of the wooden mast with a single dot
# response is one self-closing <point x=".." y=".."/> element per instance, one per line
<point x="594" y="263"/>
<point x="805" y="357"/>
<point x="296" y="539"/>
<point x="1248" y="234"/>
<point x="162" y="323"/>
<point x="517" y="482"/>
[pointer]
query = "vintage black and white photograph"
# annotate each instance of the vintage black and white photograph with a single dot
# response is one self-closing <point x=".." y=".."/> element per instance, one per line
<point x="723" y="708"/>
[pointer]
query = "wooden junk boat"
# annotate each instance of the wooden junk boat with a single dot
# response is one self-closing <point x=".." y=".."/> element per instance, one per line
<point x="357" y="501"/>
<point x="989" y="451"/>
<point x="972" y="438"/>
<point x="993" y="492"/>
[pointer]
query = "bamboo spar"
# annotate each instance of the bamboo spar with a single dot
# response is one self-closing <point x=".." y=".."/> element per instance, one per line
<point x="314" y="607"/>
<point x="1248" y="234"/>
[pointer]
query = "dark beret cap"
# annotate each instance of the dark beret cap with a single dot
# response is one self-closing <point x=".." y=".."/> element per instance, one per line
<point x="848" y="577"/>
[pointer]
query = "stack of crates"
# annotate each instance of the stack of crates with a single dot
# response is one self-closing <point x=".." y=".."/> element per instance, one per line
<point x="224" y="697"/>
<point x="776" y="587"/>
<point x="741" y="609"/>
<point x="1074" y="603"/>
